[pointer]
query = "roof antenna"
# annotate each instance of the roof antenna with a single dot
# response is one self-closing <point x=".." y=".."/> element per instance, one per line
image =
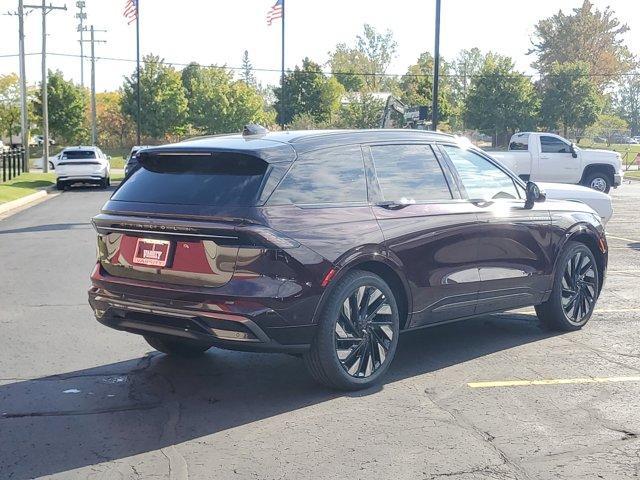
<point x="254" y="129"/>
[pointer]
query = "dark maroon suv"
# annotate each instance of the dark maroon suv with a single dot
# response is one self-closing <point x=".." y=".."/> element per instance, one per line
<point x="330" y="244"/>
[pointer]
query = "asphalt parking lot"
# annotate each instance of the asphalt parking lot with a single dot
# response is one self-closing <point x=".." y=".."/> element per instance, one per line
<point x="78" y="400"/>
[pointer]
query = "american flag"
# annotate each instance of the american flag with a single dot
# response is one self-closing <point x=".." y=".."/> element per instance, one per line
<point x="131" y="11"/>
<point x="275" y="12"/>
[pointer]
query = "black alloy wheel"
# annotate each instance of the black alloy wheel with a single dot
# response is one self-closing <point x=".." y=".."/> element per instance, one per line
<point x="357" y="335"/>
<point x="364" y="332"/>
<point x="575" y="291"/>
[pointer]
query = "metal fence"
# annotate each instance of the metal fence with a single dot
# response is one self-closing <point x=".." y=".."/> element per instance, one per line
<point x="12" y="162"/>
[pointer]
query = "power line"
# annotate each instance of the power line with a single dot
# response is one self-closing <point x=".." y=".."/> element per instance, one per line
<point x="346" y="73"/>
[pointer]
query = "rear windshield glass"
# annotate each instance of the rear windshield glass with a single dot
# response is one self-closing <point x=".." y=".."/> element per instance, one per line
<point x="217" y="179"/>
<point x="78" y="154"/>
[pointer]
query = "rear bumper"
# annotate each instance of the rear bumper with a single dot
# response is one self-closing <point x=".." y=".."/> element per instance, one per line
<point x="81" y="178"/>
<point x="225" y="322"/>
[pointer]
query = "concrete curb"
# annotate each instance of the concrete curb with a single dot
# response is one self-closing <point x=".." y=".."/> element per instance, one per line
<point x="24" y="201"/>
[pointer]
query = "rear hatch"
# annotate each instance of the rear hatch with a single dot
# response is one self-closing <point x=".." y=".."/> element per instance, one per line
<point x="78" y="163"/>
<point x="177" y="219"/>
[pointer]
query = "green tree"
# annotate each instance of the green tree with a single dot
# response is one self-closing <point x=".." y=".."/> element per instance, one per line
<point x="607" y="126"/>
<point x="588" y="35"/>
<point x="9" y="104"/>
<point x="163" y="102"/>
<point x="247" y="75"/>
<point x="417" y="85"/>
<point x="462" y="70"/>
<point x="68" y="109"/>
<point x="364" y="65"/>
<point x="308" y="90"/>
<point x="570" y="99"/>
<point x="361" y="110"/>
<point x="501" y="100"/>
<point x="115" y="129"/>
<point x="627" y="101"/>
<point x="217" y="103"/>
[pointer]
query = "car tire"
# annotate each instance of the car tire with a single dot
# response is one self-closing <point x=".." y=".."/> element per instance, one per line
<point x="575" y="290"/>
<point x="60" y="185"/>
<point x="361" y="315"/>
<point x="177" y="347"/>
<point x="599" y="181"/>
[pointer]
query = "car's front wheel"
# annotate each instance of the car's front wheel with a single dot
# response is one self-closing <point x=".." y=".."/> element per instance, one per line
<point x="177" y="346"/>
<point x="599" y="181"/>
<point x="357" y="333"/>
<point x="575" y="290"/>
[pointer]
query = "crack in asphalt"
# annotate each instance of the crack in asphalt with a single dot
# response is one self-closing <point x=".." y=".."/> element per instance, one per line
<point x="67" y="413"/>
<point x="485" y="436"/>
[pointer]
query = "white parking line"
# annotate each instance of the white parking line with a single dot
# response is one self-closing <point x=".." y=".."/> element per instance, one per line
<point x="623" y="239"/>
<point x="553" y="381"/>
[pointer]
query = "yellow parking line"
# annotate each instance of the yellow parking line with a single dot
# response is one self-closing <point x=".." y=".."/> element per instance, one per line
<point x="554" y="381"/>
<point x="624" y="239"/>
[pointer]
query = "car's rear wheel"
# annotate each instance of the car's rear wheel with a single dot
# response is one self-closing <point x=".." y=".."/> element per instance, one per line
<point x="575" y="290"/>
<point x="599" y="181"/>
<point x="177" y="346"/>
<point x="357" y="334"/>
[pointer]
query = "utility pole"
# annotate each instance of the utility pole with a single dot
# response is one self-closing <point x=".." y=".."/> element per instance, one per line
<point x="436" y="70"/>
<point x="24" y="118"/>
<point x="94" y="127"/>
<point x="45" y="107"/>
<point x="81" y="16"/>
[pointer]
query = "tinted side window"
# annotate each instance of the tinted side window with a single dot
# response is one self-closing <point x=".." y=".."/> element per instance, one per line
<point x="409" y="174"/>
<point x="553" y="145"/>
<point x="334" y="175"/>
<point x="519" y="142"/>
<point x="481" y="179"/>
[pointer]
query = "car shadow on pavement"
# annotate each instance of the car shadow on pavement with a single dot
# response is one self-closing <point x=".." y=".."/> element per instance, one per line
<point x="71" y="420"/>
<point x="50" y="227"/>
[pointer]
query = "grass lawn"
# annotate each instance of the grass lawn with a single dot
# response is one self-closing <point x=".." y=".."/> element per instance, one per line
<point x="24" y="185"/>
<point x="635" y="174"/>
<point x="627" y="151"/>
<point x="117" y="162"/>
<point x="29" y="183"/>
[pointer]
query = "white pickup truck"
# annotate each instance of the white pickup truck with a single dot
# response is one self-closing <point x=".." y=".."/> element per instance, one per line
<point x="545" y="157"/>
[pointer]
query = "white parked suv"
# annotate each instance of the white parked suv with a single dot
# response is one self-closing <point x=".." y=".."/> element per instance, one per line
<point x="546" y="157"/>
<point x="82" y="165"/>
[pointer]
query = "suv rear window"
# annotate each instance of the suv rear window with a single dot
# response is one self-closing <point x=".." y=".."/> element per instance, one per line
<point x="78" y="154"/>
<point x="211" y="179"/>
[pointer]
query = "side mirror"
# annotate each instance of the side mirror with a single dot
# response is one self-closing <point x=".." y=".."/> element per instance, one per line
<point x="572" y="149"/>
<point x="534" y="194"/>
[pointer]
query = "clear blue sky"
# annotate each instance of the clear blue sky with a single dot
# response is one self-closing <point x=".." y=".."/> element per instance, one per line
<point x="217" y="32"/>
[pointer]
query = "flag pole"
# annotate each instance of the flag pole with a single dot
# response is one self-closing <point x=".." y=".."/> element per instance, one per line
<point x="138" y="70"/>
<point x="282" y="95"/>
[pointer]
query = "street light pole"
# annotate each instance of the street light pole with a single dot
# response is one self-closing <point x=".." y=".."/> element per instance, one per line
<point x="45" y="107"/>
<point x="436" y="70"/>
<point x="24" y="116"/>
<point x="45" y="99"/>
